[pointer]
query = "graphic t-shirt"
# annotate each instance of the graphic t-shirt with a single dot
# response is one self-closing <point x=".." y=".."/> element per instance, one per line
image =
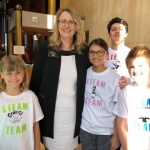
<point x="17" y="115"/>
<point x="101" y="95"/>
<point x="135" y="107"/>
<point x="116" y="60"/>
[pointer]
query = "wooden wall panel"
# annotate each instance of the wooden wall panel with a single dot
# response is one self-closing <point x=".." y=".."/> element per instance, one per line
<point x="65" y="3"/>
<point x="98" y="12"/>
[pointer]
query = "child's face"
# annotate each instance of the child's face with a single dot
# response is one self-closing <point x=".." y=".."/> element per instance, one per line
<point x="13" y="79"/>
<point x="139" y="70"/>
<point x="117" y="33"/>
<point x="97" y="55"/>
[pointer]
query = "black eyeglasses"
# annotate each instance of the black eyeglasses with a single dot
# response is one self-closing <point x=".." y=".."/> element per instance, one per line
<point x="98" y="53"/>
<point x="69" y="22"/>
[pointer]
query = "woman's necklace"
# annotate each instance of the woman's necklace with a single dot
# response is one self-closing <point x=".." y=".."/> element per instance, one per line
<point x="65" y="48"/>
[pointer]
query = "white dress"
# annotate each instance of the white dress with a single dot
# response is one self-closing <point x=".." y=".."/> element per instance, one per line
<point x="65" y="109"/>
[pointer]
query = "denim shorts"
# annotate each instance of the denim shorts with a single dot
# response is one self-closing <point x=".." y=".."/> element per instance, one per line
<point x="94" y="142"/>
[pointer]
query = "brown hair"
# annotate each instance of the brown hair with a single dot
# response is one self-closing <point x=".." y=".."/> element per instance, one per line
<point x="138" y="51"/>
<point x="117" y="20"/>
<point x="100" y="42"/>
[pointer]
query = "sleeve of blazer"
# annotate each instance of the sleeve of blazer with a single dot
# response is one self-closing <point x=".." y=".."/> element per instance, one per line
<point x="37" y="67"/>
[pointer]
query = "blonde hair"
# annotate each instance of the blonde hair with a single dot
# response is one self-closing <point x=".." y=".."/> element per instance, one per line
<point x="13" y="63"/>
<point x="78" y="41"/>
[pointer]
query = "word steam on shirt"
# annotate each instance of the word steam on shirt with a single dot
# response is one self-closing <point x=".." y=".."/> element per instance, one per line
<point x="112" y="57"/>
<point x="97" y="83"/>
<point x="93" y="102"/>
<point x="14" y="114"/>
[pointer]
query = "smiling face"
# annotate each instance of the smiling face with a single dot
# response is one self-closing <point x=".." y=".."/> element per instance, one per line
<point x="139" y="70"/>
<point x="117" y="33"/>
<point x="97" y="56"/>
<point x="66" y="25"/>
<point x="13" y="79"/>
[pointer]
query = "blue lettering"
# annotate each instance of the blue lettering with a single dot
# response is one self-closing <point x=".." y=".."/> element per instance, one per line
<point x="145" y="127"/>
<point x="148" y="102"/>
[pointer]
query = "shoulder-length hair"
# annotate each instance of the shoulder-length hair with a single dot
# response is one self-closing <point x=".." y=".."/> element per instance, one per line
<point x="13" y="63"/>
<point x="78" y="39"/>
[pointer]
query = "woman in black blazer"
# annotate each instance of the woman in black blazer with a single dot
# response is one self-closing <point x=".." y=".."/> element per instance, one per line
<point x="58" y="79"/>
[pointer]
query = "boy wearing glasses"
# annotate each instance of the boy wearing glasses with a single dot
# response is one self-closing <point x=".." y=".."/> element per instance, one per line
<point x="118" y="31"/>
<point x="100" y="98"/>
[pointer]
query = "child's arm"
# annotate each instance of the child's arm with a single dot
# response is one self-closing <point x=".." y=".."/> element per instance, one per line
<point x="36" y="130"/>
<point x="122" y="132"/>
<point x="115" y="139"/>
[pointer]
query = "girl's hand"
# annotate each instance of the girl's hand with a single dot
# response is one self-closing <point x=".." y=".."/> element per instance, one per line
<point x="122" y="82"/>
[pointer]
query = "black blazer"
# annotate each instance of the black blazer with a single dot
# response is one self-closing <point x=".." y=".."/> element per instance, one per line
<point x="44" y="82"/>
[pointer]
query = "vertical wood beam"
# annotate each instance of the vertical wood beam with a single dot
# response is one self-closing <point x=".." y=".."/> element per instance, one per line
<point x="18" y="25"/>
<point x="52" y="7"/>
<point x="10" y="43"/>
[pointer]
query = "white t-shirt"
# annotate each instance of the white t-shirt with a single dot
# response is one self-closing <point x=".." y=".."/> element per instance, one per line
<point x="17" y="115"/>
<point x="101" y="95"/>
<point x="116" y="60"/>
<point x="135" y="107"/>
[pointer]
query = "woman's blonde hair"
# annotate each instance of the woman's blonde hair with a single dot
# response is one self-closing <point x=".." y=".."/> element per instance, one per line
<point x="78" y="41"/>
<point x="13" y="63"/>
